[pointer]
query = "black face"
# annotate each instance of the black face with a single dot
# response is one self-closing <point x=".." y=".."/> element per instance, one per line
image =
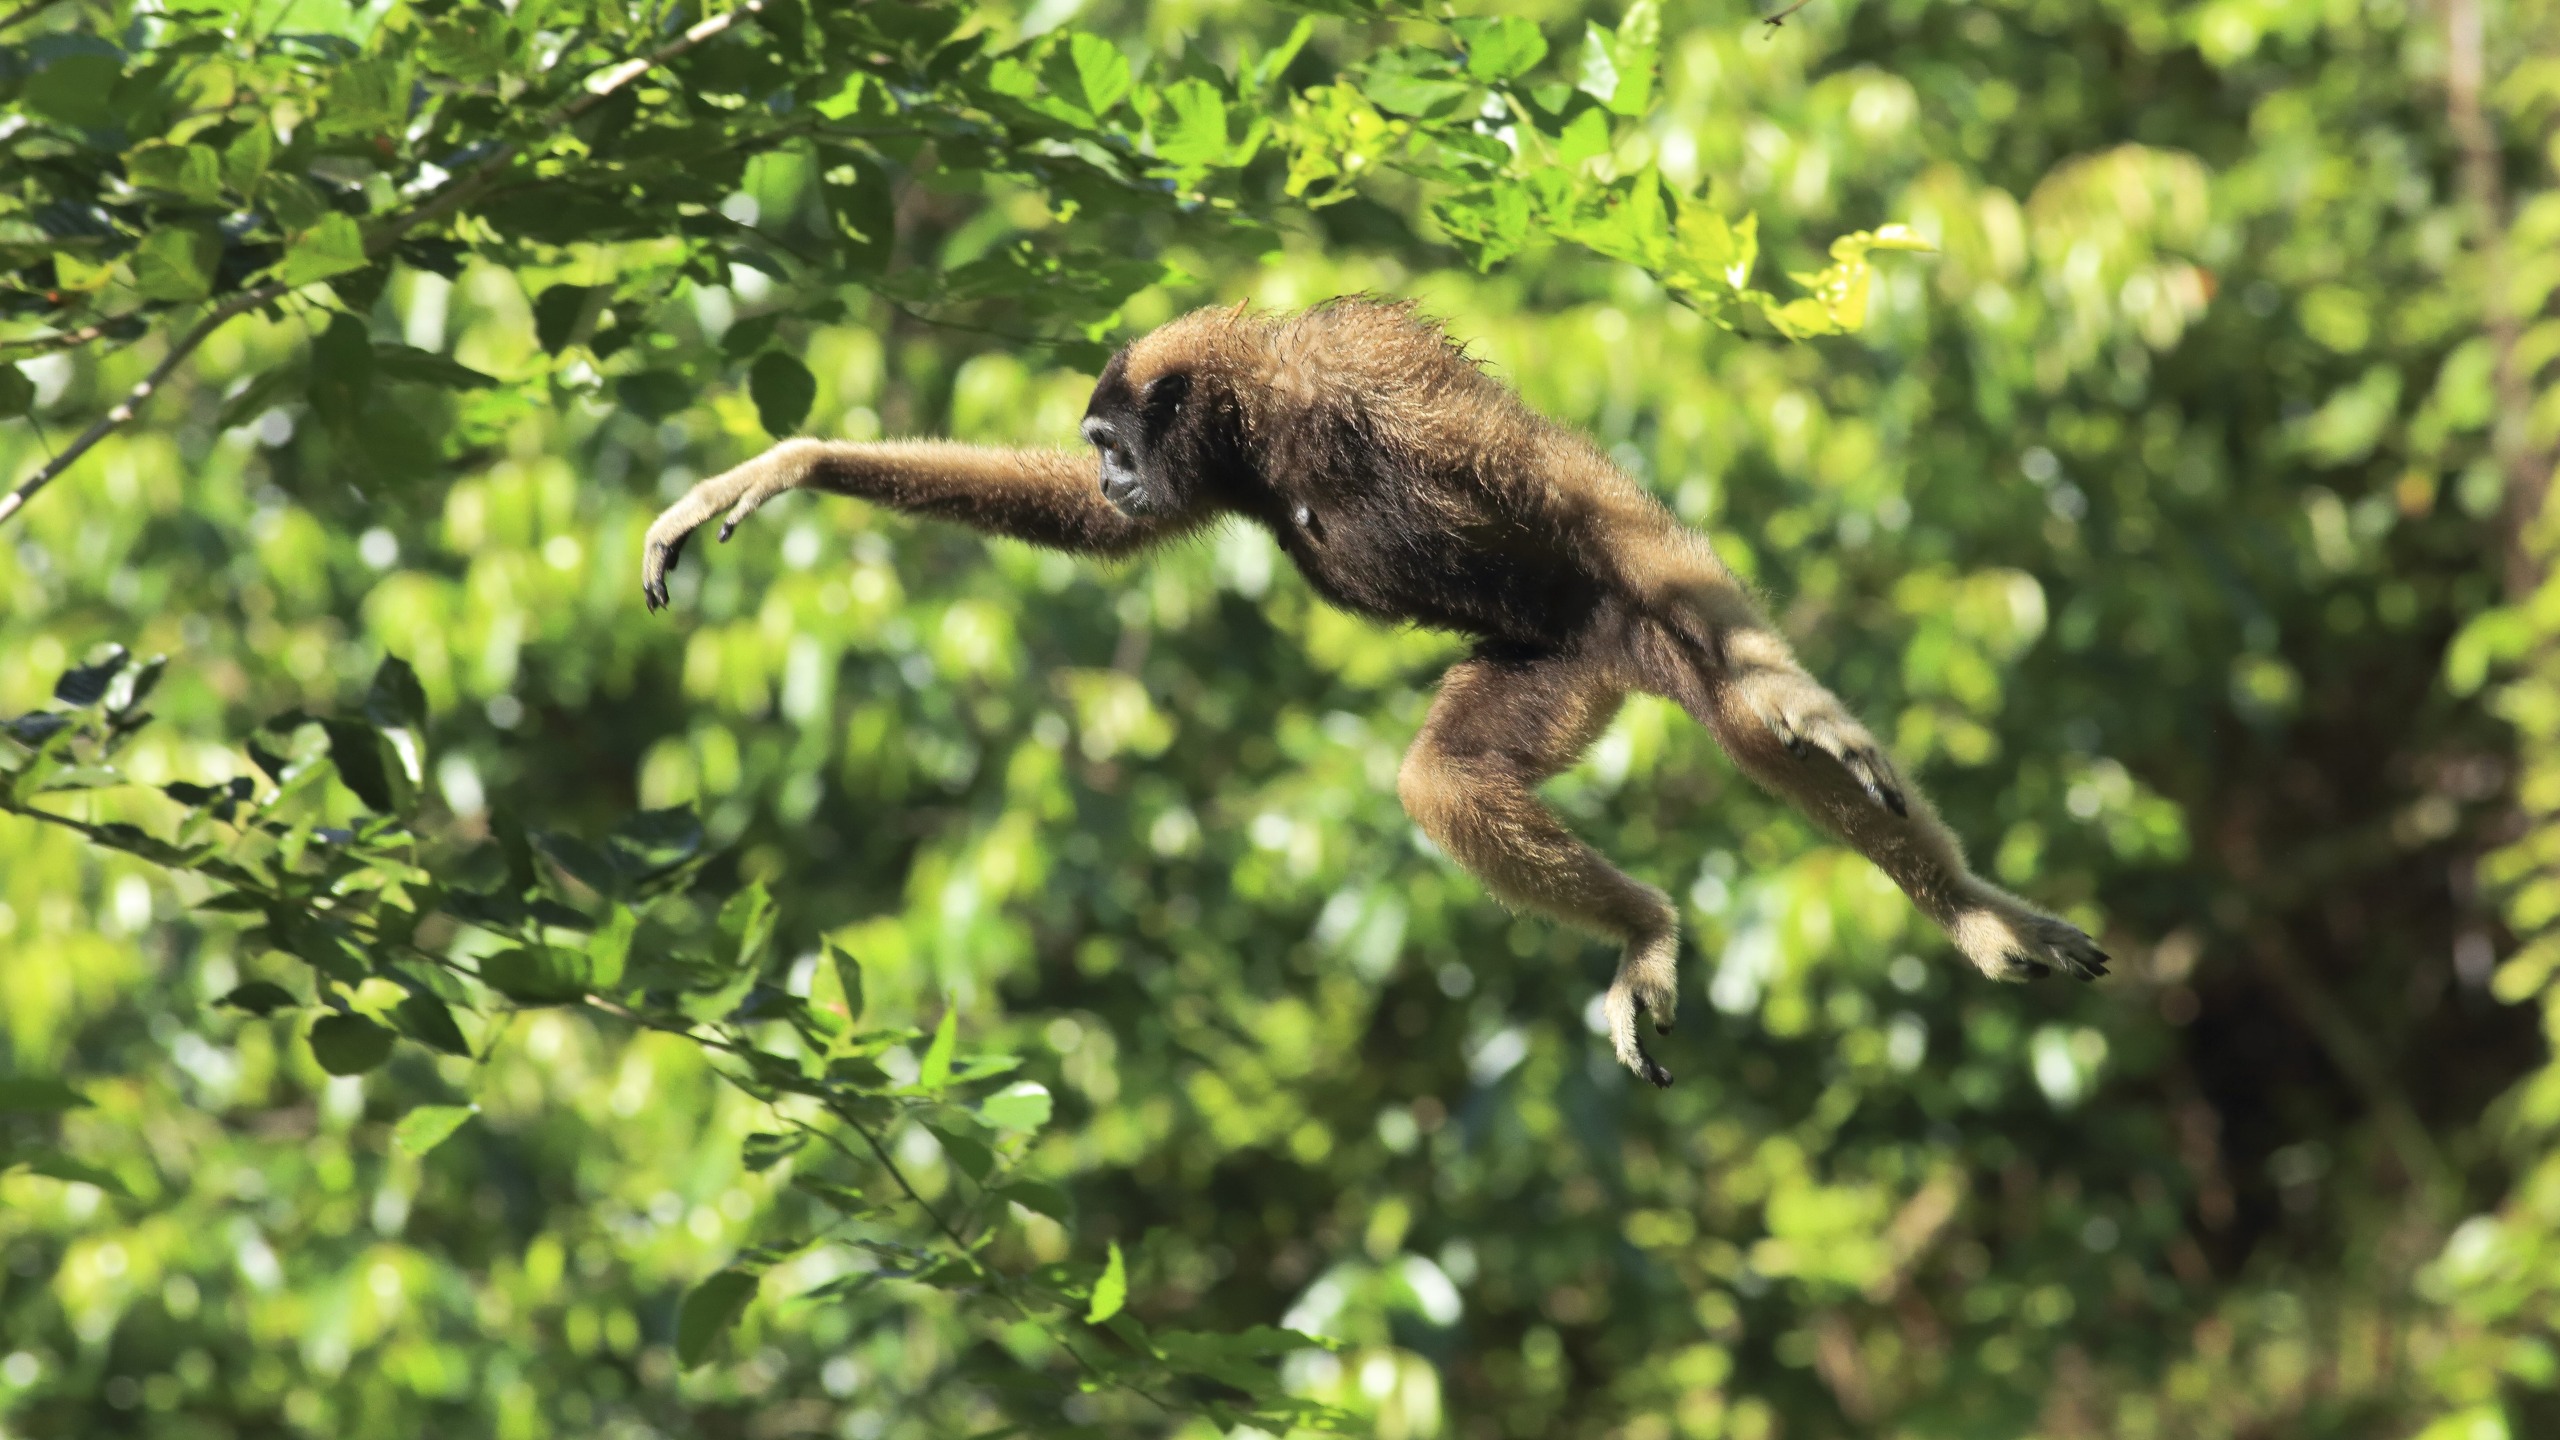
<point x="1152" y="446"/>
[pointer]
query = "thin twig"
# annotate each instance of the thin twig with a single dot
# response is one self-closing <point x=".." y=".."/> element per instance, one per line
<point x="1780" y="18"/>
<point x="26" y="12"/>
<point x="128" y="407"/>
<point x="597" y="88"/>
<point x="34" y="345"/>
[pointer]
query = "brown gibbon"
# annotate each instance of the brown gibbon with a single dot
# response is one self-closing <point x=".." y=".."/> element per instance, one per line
<point x="1411" y="487"/>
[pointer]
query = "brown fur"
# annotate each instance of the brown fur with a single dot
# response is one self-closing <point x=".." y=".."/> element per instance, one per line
<point x="1408" y="485"/>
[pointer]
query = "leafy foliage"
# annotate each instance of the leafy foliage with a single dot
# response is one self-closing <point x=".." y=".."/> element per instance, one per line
<point x="2160" y="514"/>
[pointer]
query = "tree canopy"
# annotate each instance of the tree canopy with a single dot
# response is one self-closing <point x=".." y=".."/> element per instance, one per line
<point x="924" y="986"/>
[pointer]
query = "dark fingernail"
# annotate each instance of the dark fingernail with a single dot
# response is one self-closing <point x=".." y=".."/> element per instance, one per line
<point x="725" y="529"/>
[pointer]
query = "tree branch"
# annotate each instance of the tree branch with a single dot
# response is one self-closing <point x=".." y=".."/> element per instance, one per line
<point x="26" y="12"/>
<point x="125" y="409"/>
<point x="30" y="348"/>
<point x="596" y="89"/>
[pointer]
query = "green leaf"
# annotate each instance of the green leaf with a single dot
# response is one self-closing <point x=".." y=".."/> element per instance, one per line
<point x="1022" y="1105"/>
<point x="844" y="1199"/>
<point x="349" y="1044"/>
<point x="557" y="313"/>
<point x="1111" y="1291"/>
<point x="245" y="159"/>
<point x="333" y="246"/>
<point x="849" y="979"/>
<point x="935" y="1072"/>
<point x="1501" y="49"/>
<point x="1617" y="65"/>
<point x="609" y="949"/>
<point x="366" y="100"/>
<point x="1102" y="72"/>
<point x="85" y="685"/>
<point x="749" y="335"/>
<point x="653" y="394"/>
<point x="429" y="1126"/>
<point x="762" y="1152"/>
<point x="1040" y="1196"/>
<point x="848" y="99"/>
<point x="1598" y="75"/>
<point x="708" y="1311"/>
<point x="17" y="392"/>
<point x="747" y="920"/>
<point x="341" y="370"/>
<point x="1197" y="135"/>
<point x="863" y="205"/>
<point x="63" y="1167"/>
<point x="1413" y="81"/>
<point x="193" y="172"/>
<point x="76" y="89"/>
<point x="357" y="750"/>
<point x="1585" y="137"/>
<point x="969" y="1154"/>
<point x="319" y="944"/>
<point x="424" y="1018"/>
<point x="396" y="700"/>
<point x="425" y="367"/>
<point x="37" y="1094"/>
<point x="258" y="997"/>
<point x="534" y="975"/>
<point x="783" y="390"/>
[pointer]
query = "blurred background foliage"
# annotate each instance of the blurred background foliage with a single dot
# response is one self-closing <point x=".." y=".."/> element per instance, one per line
<point x="2178" y="519"/>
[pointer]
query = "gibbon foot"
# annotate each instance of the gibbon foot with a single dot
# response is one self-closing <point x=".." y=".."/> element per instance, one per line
<point x="1807" y="718"/>
<point x="1647" y="983"/>
<point x="2006" y="941"/>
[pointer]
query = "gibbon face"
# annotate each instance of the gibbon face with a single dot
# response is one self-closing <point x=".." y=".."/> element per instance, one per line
<point x="1164" y="448"/>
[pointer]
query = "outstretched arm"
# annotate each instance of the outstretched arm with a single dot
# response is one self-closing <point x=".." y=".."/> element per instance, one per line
<point x="1048" y="497"/>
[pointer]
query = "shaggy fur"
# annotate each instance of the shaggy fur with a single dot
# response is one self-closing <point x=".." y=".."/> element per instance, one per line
<point x="1409" y="486"/>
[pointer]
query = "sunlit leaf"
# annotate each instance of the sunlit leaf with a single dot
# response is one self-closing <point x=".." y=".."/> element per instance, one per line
<point x="429" y="1126"/>
<point x="1023" y="1105"/>
<point x="1111" y="1291"/>
<point x="333" y="245"/>
<point x="935" y="1071"/>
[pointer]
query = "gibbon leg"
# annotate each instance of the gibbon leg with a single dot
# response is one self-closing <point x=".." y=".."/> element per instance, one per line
<point x="1047" y="497"/>
<point x="1796" y="739"/>
<point x="1498" y="728"/>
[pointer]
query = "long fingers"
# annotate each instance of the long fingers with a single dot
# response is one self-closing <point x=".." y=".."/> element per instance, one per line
<point x="676" y="524"/>
<point x="658" y="557"/>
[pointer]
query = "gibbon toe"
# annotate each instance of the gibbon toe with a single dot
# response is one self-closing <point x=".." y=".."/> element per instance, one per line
<point x="2009" y="942"/>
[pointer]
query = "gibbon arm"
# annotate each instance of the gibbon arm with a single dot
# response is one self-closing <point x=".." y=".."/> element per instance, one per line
<point x="1047" y="497"/>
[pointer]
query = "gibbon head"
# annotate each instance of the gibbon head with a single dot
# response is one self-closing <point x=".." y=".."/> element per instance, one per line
<point x="1164" y="419"/>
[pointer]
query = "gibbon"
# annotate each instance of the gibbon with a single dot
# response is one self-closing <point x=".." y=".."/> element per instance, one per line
<point x="1409" y="486"/>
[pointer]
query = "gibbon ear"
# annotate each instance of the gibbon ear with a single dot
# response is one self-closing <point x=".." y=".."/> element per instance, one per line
<point x="1163" y="398"/>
